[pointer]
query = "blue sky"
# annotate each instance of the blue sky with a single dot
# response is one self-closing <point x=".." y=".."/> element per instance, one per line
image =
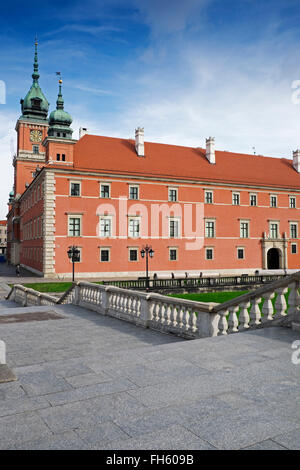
<point x="183" y="70"/>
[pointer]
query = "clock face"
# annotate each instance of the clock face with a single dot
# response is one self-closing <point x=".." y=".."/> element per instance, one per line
<point x="36" y="136"/>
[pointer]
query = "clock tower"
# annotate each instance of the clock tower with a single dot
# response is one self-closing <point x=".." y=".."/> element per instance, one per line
<point x="32" y="128"/>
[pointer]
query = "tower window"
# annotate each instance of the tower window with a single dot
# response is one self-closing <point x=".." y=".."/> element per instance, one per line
<point x="35" y="149"/>
<point x="58" y="134"/>
<point x="58" y="156"/>
<point x="63" y="157"/>
<point x="64" y="134"/>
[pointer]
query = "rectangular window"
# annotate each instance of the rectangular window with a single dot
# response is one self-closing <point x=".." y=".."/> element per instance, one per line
<point x="253" y="200"/>
<point x="105" y="254"/>
<point x="273" y="201"/>
<point x="292" y="202"/>
<point x="58" y="156"/>
<point x="273" y="230"/>
<point x="173" y="254"/>
<point x="235" y="199"/>
<point x="35" y="149"/>
<point x="240" y="253"/>
<point x="208" y="197"/>
<point x="293" y="231"/>
<point x="173" y="228"/>
<point x="209" y="229"/>
<point x="244" y="229"/>
<point x="209" y="253"/>
<point x="133" y="254"/>
<point x="74" y="189"/>
<point x="173" y="194"/>
<point x="105" y="227"/>
<point x="133" y="192"/>
<point x="63" y="157"/>
<point x="74" y="227"/>
<point x="294" y="248"/>
<point x="105" y="190"/>
<point x="134" y="227"/>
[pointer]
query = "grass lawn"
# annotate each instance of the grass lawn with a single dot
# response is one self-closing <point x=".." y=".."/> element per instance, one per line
<point x="218" y="297"/>
<point x="50" y="286"/>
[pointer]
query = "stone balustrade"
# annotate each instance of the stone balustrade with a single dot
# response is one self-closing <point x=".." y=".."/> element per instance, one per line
<point x="260" y="308"/>
<point x="27" y="297"/>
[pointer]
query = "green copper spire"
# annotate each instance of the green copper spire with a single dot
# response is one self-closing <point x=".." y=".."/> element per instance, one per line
<point x="60" y="120"/>
<point x="35" y="104"/>
<point x="35" y="74"/>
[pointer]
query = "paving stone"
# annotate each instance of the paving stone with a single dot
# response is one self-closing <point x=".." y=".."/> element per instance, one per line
<point x="67" y="417"/>
<point x="21" y="427"/>
<point x="170" y="438"/>
<point x="83" y="393"/>
<point x="289" y="440"/>
<point x="65" y="441"/>
<point x="266" y="445"/>
<point x="20" y="405"/>
<point x="239" y="430"/>
<point x="101" y="434"/>
<point x="42" y="382"/>
<point x="88" y="379"/>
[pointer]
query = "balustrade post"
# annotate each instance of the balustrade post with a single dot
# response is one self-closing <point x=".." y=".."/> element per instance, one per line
<point x="144" y="317"/>
<point x="104" y="304"/>
<point x="267" y="308"/>
<point x="294" y="302"/>
<point x="2" y="352"/>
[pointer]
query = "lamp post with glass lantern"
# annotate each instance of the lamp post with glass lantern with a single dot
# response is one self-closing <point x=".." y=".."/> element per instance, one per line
<point x="147" y="251"/>
<point x="74" y="256"/>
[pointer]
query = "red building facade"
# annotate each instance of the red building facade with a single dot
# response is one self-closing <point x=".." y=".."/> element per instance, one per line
<point x="201" y="210"/>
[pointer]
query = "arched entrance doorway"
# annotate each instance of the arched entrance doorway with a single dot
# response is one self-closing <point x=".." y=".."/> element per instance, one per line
<point x="273" y="258"/>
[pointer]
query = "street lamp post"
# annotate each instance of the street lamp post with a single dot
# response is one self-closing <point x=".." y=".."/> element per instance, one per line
<point x="74" y="256"/>
<point x="147" y="251"/>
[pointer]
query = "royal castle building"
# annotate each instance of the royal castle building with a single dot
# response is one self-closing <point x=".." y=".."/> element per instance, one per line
<point x="200" y="209"/>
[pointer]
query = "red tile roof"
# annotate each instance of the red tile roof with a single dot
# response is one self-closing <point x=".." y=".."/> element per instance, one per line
<point x="3" y="222"/>
<point x="118" y="156"/>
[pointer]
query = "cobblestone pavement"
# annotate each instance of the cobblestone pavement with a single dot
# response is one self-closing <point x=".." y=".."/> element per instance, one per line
<point x="87" y="381"/>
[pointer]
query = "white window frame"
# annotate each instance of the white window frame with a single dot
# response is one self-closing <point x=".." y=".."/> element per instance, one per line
<point x="109" y="190"/>
<point x="177" y="220"/>
<point x="296" y="224"/>
<point x="173" y="248"/>
<point x="208" y="228"/>
<point x="250" y="196"/>
<point x="273" y="222"/>
<point x="75" y="216"/>
<point x="235" y="193"/>
<point x="105" y="218"/>
<point x="276" y="200"/>
<point x="135" y="219"/>
<point x="237" y="252"/>
<point x="133" y="248"/>
<point x="294" y="198"/>
<point x="212" y="249"/>
<point x="169" y="194"/>
<point x="104" y="248"/>
<point x="208" y="191"/>
<point x="248" y="228"/>
<point x="134" y="186"/>
<point x="70" y="186"/>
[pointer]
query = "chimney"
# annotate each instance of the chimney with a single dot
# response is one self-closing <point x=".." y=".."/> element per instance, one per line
<point x="82" y="131"/>
<point x="210" y="150"/>
<point x="296" y="160"/>
<point x="139" y="141"/>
